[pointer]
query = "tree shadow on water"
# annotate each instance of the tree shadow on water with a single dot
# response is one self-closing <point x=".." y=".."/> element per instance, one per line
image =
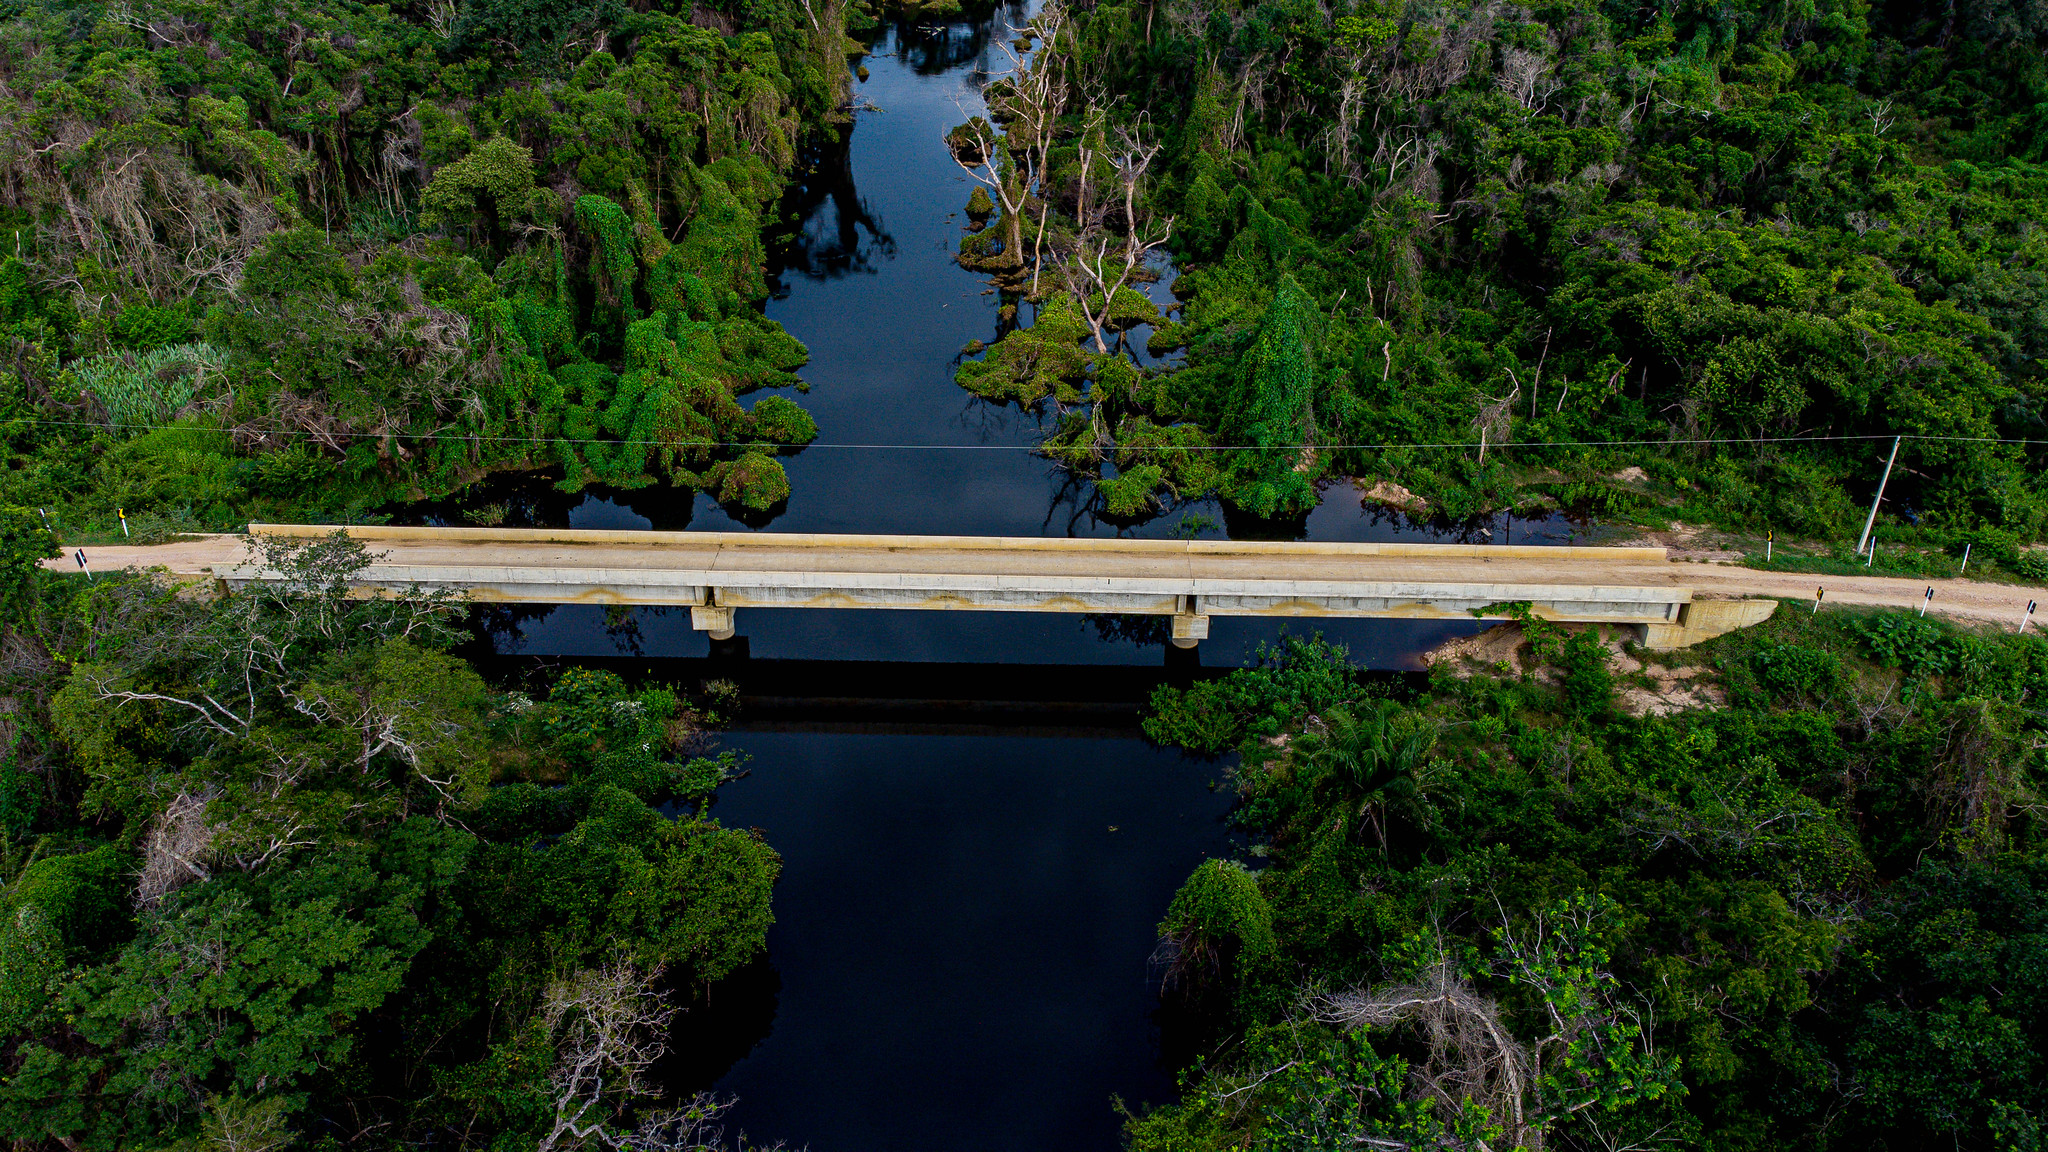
<point x="722" y="1025"/>
<point x="837" y="232"/>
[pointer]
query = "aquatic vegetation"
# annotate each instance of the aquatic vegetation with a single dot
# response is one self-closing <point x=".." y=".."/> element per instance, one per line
<point x="755" y="481"/>
<point x="1030" y="364"/>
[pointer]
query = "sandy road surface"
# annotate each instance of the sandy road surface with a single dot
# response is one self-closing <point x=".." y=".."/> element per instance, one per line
<point x="1997" y="604"/>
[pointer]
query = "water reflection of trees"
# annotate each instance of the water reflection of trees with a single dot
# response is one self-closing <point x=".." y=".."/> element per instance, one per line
<point x="931" y="47"/>
<point x="837" y="233"/>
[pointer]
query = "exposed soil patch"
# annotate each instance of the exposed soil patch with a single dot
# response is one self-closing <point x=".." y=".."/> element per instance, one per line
<point x="1642" y="688"/>
<point x="1695" y="542"/>
<point x="1394" y="496"/>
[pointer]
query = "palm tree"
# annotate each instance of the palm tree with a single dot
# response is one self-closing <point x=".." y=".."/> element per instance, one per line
<point x="1371" y="753"/>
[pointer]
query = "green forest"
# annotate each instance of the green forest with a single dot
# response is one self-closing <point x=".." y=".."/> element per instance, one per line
<point x="284" y="869"/>
<point x="280" y="868"/>
<point x="299" y="260"/>
<point x="1736" y="248"/>
<point x="1539" y="901"/>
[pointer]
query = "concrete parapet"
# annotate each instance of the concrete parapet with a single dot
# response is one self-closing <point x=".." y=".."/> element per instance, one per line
<point x="896" y="543"/>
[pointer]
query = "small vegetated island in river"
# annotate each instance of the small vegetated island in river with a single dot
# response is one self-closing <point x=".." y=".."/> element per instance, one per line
<point x="282" y="870"/>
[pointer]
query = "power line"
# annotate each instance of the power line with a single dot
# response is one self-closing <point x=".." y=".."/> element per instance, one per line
<point x="1458" y="444"/>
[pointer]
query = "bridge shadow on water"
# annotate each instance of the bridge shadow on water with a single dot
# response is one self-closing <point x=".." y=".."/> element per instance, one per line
<point x="867" y="697"/>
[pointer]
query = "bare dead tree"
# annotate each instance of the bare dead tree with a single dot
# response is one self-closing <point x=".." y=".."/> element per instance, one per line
<point x="1105" y="261"/>
<point x="607" y="1026"/>
<point x="1032" y="103"/>
<point x="179" y="847"/>
<point x="1494" y="419"/>
<point x="1586" y="1049"/>
<point x="983" y="154"/>
<point x="406" y="722"/>
<point x="246" y="652"/>
<point x="1028" y="100"/>
<point x="690" y="1127"/>
<point x="1472" y="1055"/>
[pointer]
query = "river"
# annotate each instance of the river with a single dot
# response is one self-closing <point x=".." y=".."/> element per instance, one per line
<point x="977" y="844"/>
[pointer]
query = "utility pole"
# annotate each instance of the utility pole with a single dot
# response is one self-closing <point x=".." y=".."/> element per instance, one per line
<point x="1868" y="524"/>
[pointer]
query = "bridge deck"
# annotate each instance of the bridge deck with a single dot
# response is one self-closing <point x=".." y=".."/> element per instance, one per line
<point x="715" y="573"/>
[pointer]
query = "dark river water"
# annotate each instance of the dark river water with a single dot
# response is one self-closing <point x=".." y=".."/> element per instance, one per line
<point x="977" y="844"/>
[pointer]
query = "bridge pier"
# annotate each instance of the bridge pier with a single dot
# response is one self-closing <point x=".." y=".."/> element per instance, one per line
<point x="1189" y="629"/>
<point x="715" y="619"/>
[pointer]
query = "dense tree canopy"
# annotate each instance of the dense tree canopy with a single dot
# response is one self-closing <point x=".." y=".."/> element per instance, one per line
<point x="309" y="257"/>
<point x="1785" y="891"/>
<point x="281" y="865"/>
<point x="1668" y="225"/>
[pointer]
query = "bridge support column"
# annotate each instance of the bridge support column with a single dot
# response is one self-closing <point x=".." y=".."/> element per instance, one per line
<point x="712" y="618"/>
<point x="1189" y="629"/>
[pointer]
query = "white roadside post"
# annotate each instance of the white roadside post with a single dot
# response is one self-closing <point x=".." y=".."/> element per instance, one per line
<point x="80" y="556"/>
<point x="2026" y="616"/>
<point x="1926" y="600"/>
<point x="1818" y="595"/>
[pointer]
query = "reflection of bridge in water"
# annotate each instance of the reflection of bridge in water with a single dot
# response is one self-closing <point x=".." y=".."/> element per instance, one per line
<point x="715" y="574"/>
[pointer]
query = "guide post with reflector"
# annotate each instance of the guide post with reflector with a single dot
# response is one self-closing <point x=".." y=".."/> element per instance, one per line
<point x="124" y="522"/>
<point x="1818" y="595"/>
<point x="2026" y="616"/>
<point x="80" y="556"/>
<point x="1768" y="537"/>
<point x="1926" y="600"/>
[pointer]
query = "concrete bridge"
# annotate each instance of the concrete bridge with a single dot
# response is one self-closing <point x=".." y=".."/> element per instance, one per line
<point x="717" y="574"/>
